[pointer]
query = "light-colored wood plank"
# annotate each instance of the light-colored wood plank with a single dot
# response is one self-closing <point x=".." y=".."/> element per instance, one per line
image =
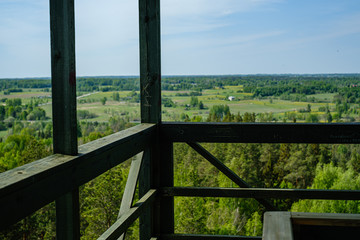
<point x="277" y="226"/>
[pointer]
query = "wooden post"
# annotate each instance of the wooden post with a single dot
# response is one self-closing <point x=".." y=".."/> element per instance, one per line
<point x="164" y="170"/>
<point x="157" y="166"/>
<point x="63" y="78"/>
<point x="150" y="69"/>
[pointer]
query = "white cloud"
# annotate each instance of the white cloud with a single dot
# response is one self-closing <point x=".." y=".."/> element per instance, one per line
<point x="187" y="16"/>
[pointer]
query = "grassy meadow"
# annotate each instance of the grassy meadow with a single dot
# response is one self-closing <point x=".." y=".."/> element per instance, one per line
<point x="210" y="97"/>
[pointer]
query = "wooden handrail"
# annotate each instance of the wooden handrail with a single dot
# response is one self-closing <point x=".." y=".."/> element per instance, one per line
<point x="26" y="189"/>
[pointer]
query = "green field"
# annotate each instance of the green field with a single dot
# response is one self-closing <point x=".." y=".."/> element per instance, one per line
<point x="210" y="97"/>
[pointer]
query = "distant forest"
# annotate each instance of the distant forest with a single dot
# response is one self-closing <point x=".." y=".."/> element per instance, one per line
<point x="260" y="85"/>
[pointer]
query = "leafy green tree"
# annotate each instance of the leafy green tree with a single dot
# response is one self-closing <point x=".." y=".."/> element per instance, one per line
<point x="103" y="100"/>
<point x="312" y="118"/>
<point x="254" y="225"/>
<point x="101" y="200"/>
<point x="116" y="96"/>
<point x="194" y="101"/>
<point x="329" y="176"/>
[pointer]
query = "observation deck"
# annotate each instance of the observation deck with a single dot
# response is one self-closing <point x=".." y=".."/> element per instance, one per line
<point x="25" y="189"/>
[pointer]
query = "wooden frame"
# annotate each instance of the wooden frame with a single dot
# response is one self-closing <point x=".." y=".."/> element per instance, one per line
<point x="27" y="188"/>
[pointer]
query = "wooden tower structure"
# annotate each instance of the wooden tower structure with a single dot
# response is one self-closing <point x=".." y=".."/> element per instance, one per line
<point x="58" y="177"/>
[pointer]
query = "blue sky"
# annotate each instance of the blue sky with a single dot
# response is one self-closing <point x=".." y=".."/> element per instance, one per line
<point x="198" y="37"/>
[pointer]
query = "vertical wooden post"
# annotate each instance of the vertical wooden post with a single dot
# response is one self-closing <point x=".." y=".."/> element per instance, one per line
<point x="163" y="170"/>
<point x="63" y="78"/>
<point x="157" y="166"/>
<point x="150" y="69"/>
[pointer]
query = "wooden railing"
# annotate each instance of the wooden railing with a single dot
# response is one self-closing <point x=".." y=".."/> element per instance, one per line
<point x="25" y="189"/>
<point x="57" y="178"/>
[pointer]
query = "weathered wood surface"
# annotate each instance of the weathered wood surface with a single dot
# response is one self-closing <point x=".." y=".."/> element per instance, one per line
<point x="125" y="221"/>
<point x="227" y="172"/>
<point x="326" y="219"/>
<point x="262" y="132"/>
<point x="27" y="188"/>
<point x="150" y="97"/>
<point x="262" y="193"/>
<point x="68" y="216"/>
<point x="130" y="187"/>
<point x="204" y="237"/>
<point x="164" y="172"/>
<point x="63" y="76"/>
<point x="150" y="61"/>
<point x="145" y="183"/>
<point x="277" y="226"/>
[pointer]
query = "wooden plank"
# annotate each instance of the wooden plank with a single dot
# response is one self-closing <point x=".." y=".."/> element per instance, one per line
<point x="68" y="216"/>
<point x="125" y="221"/>
<point x="164" y="171"/>
<point x="150" y="62"/>
<point x="228" y="172"/>
<point x="262" y="132"/>
<point x="277" y="226"/>
<point x="145" y="183"/>
<point x="204" y="237"/>
<point x="27" y="188"/>
<point x="63" y="76"/>
<point x="326" y="219"/>
<point x="150" y="96"/>
<point x="262" y="193"/>
<point x="130" y="186"/>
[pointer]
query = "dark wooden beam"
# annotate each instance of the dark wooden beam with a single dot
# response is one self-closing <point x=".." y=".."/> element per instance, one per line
<point x="204" y="237"/>
<point x="150" y="100"/>
<point x="124" y="222"/>
<point x="145" y="183"/>
<point x="130" y="187"/>
<point x="68" y="216"/>
<point x="150" y="62"/>
<point x="228" y="172"/>
<point x="164" y="173"/>
<point x="262" y="132"/>
<point x="326" y="219"/>
<point x="25" y="189"/>
<point x="63" y="76"/>
<point x="262" y="193"/>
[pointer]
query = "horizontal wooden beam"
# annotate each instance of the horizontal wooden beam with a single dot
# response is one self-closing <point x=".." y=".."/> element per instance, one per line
<point x="25" y="189"/>
<point x="125" y="221"/>
<point x="204" y="237"/>
<point x="262" y="132"/>
<point x="261" y="193"/>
